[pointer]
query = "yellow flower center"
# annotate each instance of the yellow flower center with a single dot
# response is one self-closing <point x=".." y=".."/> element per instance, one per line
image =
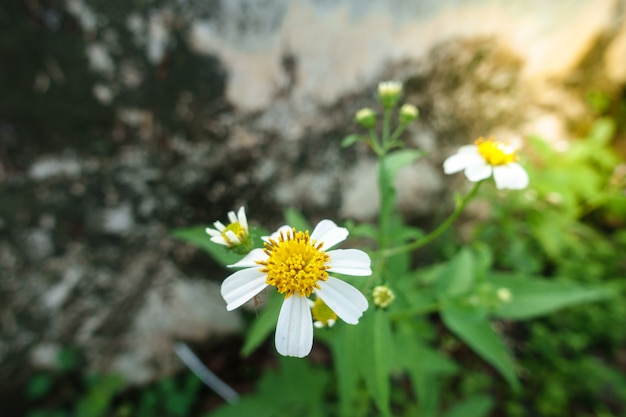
<point x="295" y="263"/>
<point x="322" y="313"/>
<point x="237" y="229"/>
<point x="495" y="153"/>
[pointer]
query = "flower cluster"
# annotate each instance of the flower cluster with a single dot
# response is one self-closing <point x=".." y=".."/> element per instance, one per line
<point x="300" y="264"/>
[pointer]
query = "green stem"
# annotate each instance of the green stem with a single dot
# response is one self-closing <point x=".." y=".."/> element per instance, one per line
<point x="395" y="136"/>
<point x="386" y="126"/>
<point x="439" y="230"/>
<point x="375" y="143"/>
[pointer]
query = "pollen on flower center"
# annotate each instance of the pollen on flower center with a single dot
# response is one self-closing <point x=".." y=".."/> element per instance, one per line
<point x="295" y="263"/>
<point x="495" y="153"/>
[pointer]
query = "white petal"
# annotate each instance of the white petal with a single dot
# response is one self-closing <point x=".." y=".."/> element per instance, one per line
<point x="232" y="217"/>
<point x="294" y="330"/>
<point x="350" y="262"/>
<point x="212" y="232"/>
<point x="243" y="220"/>
<point x="232" y="236"/>
<point x="329" y="234"/>
<point x="345" y="300"/>
<point x="219" y="240"/>
<point x="478" y="172"/>
<point x="511" y="176"/>
<point x="250" y="259"/>
<point x="242" y="286"/>
<point x="460" y="161"/>
<point x="219" y="226"/>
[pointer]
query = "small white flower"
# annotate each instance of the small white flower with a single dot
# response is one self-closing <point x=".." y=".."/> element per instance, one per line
<point x="235" y="234"/>
<point x="485" y="158"/>
<point x="298" y="265"/>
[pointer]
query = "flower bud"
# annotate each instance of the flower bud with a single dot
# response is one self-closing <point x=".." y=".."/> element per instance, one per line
<point x="389" y="93"/>
<point x="383" y="296"/>
<point x="504" y="295"/>
<point x="408" y="113"/>
<point x="366" y="118"/>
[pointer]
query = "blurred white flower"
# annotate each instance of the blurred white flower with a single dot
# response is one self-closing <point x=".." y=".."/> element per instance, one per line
<point x="485" y="158"/>
<point x="235" y="234"/>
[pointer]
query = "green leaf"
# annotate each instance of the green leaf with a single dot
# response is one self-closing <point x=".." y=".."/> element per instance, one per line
<point x="295" y="389"/>
<point x="388" y="169"/>
<point x="426" y="367"/>
<point x="347" y="365"/>
<point x="197" y="236"/>
<point x="263" y="325"/>
<point x="472" y="326"/>
<point x="457" y="276"/>
<point x="102" y="390"/>
<point x="533" y="297"/>
<point x="350" y="140"/>
<point x="475" y="406"/>
<point x="395" y="161"/>
<point x="295" y="219"/>
<point x="602" y="131"/>
<point x="39" y="385"/>
<point x="362" y="229"/>
<point x="376" y="359"/>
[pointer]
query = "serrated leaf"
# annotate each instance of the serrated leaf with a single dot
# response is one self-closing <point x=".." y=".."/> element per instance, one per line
<point x="472" y="326"/>
<point x="533" y="297"/>
<point x="197" y="236"/>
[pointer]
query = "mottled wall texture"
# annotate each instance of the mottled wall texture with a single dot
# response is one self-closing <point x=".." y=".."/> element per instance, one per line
<point x="121" y="120"/>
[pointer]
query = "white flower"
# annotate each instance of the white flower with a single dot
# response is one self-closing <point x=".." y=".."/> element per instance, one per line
<point x="298" y="265"/>
<point x="487" y="157"/>
<point x="235" y="234"/>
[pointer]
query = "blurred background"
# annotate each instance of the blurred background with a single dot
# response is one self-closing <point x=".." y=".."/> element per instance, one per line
<point x="123" y="120"/>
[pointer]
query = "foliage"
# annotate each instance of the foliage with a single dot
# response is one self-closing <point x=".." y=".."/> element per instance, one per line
<point x="519" y="267"/>
<point x="503" y="305"/>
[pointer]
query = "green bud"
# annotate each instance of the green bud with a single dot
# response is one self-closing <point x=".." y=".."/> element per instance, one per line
<point x="504" y="295"/>
<point x="366" y="118"/>
<point x="389" y="93"/>
<point x="408" y="113"/>
<point x="383" y="296"/>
